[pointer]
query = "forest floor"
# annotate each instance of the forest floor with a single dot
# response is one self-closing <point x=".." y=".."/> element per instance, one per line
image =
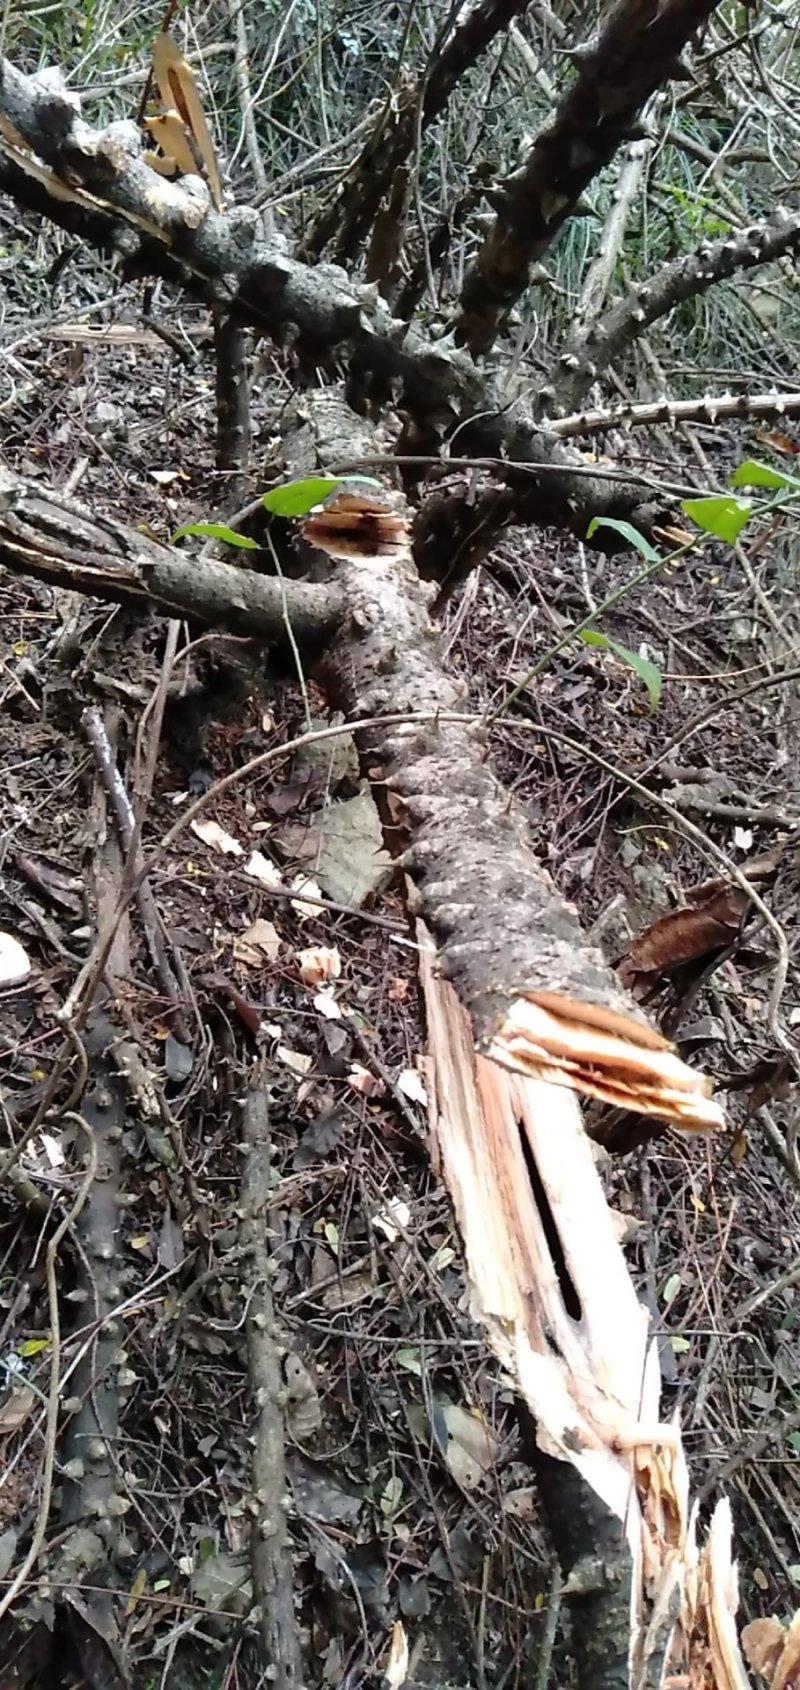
<point x="408" y="1498"/>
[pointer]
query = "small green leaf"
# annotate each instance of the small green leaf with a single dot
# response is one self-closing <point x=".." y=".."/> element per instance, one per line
<point x="753" y="474"/>
<point x="671" y="1288"/>
<point x="331" y="1232"/>
<point x="648" y="672"/>
<point x="679" y="1345"/>
<point x="793" y="1440"/>
<point x="297" y="498"/>
<point x="724" y="517"/>
<point x="216" y="531"/>
<point x="32" y="1347"/>
<point x="628" y="532"/>
<point x="409" y="1359"/>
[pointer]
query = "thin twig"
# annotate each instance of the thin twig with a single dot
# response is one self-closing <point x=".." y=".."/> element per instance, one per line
<point x="51" y="1421"/>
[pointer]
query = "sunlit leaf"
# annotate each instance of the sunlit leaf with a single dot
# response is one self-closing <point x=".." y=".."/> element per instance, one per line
<point x="753" y="474"/>
<point x="648" y="672"/>
<point x="216" y="531"/>
<point x="32" y="1346"/>
<point x="722" y="516"/>
<point x="628" y="532"/>
<point x="297" y="498"/>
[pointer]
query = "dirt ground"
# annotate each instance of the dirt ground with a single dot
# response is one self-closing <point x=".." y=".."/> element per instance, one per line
<point x="408" y="1499"/>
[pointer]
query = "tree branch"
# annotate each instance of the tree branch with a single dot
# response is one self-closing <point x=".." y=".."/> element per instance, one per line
<point x="705" y="409"/>
<point x="169" y="228"/>
<point x="394" y="137"/>
<point x="46" y="534"/>
<point x="638" y="51"/>
<point x="712" y="262"/>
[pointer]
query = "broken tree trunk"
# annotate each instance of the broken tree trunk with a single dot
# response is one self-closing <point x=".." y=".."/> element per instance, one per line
<point x="523" y="1014"/>
<point x="517" y="996"/>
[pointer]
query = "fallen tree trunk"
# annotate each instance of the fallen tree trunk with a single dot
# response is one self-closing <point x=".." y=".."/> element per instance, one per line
<point x="510" y="974"/>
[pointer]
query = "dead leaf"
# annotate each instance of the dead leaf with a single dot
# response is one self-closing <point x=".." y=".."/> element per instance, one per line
<point x="319" y="964"/>
<point x="303" y="1411"/>
<point x="303" y="883"/>
<point x="260" y="943"/>
<point x="352" y="861"/>
<point x="366" y="1083"/>
<point x="294" y="1059"/>
<point x="471" y="1447"/>
<point x="396" y="1670"/>
<point x="16" y="1409"/>
<point x="216" y="837"/>
<point x="683" y="935"/>
<point x="410" y="1083"/>
<point x="14" y="961"/>
<point x="773" y="1651"/>
<point x="260" y="868"/>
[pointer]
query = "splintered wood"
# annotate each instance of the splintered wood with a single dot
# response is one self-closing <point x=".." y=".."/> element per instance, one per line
<point x="602" y="1054"/>
<point x="550" y="1286"/>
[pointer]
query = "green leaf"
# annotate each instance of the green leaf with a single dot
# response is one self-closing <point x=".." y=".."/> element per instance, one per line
<point x="32" y="1347"/>
<point x="216" y="531"/>
<point x="753" y="474"/>
<point x="628" y="532"/>
<point x="297" y="498"/>
<point x="410" y="1360"/>
<point x="724" y="516"/>
<point x="648" y="672"/>
<point x="671" y="1288"/>
<point x="679" y="1345"/>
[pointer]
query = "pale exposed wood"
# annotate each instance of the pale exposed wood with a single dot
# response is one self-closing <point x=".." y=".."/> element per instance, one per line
<point x="508" y="1147"/>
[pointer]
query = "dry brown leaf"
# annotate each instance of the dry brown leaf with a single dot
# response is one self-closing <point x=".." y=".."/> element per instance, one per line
<point x="684" y="935"/>
<point x="773" y="1651"/>
<point x="260" y="943"/>
<point x="178" y="90"/>
<point x="16" y="1409"/>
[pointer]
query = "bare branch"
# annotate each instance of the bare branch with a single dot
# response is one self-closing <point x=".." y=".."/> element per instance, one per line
<point x="638" y="51"/>
<point x="48" y="535"/>
<point x="706" y="409"/>
<point x="599" y="275"/>
<point x="394" y="137"/>
<point x="712" y="262"/>
<point x="169" y="228"/>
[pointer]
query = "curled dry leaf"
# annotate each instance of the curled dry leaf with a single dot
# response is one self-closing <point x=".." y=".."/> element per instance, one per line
<point x="709" y="923"/>
<point x="366" y="1083"/>
<point x="326" y="1005"/>
<point x="216" y="837"/>
<point x="396" y="1669"/>
<point x="260" y="868"/>
<point x="410" y="1083"/>
<point x="260" y="943"/>
<point x="319" y="964"/>
<point x="773" y="1651"/>
<point x="393" y="1219"/>
<point x="303" y="883"/>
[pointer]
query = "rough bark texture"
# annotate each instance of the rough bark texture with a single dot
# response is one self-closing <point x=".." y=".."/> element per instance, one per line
<point x="637" y="52"/>
<point x="47" y="535"/>
<point x="714" y="261"/>
<point x="395" y="135"/>
<point x="115" y="201"/>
